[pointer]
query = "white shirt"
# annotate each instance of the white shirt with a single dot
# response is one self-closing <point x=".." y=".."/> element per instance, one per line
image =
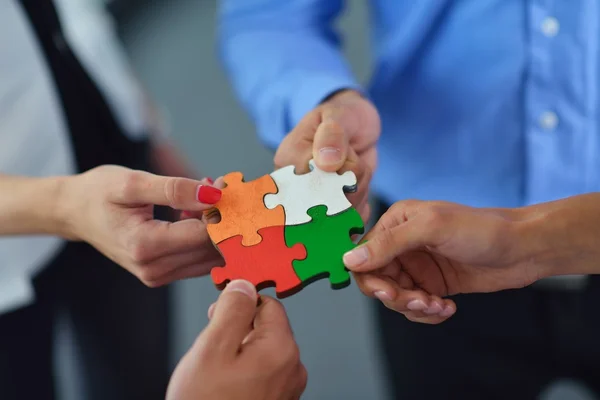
<point x="34" y="139"/>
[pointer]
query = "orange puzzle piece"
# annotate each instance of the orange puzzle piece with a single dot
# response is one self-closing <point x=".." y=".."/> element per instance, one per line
<point x="266" y="264"/>
<point x="243" y="211"/>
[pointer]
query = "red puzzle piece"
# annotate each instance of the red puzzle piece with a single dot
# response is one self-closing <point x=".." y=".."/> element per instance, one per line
<point x="266" y="264"/>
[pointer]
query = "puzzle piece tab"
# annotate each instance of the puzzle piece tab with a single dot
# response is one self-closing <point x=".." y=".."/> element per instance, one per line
<point x="243" y="211"/>
<point x="266" y="264"/>
<point x="326" y="238"/>
<point x="298" y="193"/>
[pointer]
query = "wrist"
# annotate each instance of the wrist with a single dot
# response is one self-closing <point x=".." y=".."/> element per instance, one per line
<point x="549" y="245"/>
<point x="63" y="209"/>
<point x="53" y="216"/>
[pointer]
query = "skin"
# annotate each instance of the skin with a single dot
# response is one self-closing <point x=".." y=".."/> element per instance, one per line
<point x="245" y="352"/>
<point x="421" y="252"/>
<point x="340" y="134"/>
<point x="111" y="208"/>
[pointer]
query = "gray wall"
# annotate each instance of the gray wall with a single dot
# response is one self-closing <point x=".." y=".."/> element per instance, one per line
<point x="172" y="46"/>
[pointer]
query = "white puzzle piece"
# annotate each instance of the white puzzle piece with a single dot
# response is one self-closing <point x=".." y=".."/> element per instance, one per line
<point x="298" y="193"/>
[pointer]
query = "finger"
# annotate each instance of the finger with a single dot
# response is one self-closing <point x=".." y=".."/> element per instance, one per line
<point x="232" y="318"/>
<point x="142" y="188"/>
<point x="177" y="266"/>
<point x="188" y="214"/>
<point x="154" y="239"/>
<point x="194" y="270"/>
<point x="427" y="319"/>
<point x="381" y="245"/>
<point x="402" y="297"/>
<point x="330" y="145"/>
<point x="271" y="319"/>
<point x="302" y="382"/>
<point x="363" y="177"/>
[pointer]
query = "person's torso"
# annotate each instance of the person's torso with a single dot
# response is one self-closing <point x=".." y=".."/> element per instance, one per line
<point x="490" y="102"/>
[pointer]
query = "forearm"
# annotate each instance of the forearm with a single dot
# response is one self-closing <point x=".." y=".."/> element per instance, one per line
<point x="562" y="237"/>
<point x="29" y="206"/>
<point x="283" y="59"/>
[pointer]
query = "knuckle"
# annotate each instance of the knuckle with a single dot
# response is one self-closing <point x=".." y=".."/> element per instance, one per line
<point x="171" y="192"/>
<point x="385" y="239"/>
<point x="288" y="355"/>
<point x="433" y="215"/>
<point x="303" y="377"/>
<point x="149" y="278"/>
<point x="139" y="252"/>
<point x="129" y="184"/>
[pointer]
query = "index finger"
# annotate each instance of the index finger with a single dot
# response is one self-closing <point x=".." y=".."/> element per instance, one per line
<point x="142" y="188"/>
<point x="382" y="244"/>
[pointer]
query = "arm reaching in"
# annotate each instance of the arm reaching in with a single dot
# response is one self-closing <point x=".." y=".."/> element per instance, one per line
<point x="111" y="208"/>
<point x="286" y="66"/>
<point x="245" y="352"/>
<point x="420" y="252"/>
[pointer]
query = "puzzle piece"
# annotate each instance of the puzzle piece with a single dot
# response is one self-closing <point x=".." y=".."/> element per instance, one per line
<point x="298" y="193"/>
<point x="326" y="238"/>
<point x="266" y="264"/>
<point x="243" y="211"/>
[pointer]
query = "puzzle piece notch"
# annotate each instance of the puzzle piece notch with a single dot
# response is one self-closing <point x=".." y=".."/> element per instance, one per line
<point x="242" y="209"/>
<point x="298" y="193"/>
<point x="326" y="239"/>
<point x="266" y="264"/>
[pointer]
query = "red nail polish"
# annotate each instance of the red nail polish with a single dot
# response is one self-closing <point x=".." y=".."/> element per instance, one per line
<point x="208" y="194"/>
<point x="209" y="179"/>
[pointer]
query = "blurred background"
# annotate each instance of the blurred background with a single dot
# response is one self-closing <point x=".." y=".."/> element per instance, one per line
<point x="172" y="46"/>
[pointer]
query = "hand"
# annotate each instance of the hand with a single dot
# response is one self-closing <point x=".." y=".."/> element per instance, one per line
<point x="420" y="252"/>
<point x="245" y="352"/>
<point x="111" y="208"/>
<point x="341" y="135"/>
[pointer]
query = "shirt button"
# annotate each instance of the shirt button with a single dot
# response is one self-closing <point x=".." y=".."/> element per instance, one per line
<point x="548" y="120"/>
<point x="550" y="26"/>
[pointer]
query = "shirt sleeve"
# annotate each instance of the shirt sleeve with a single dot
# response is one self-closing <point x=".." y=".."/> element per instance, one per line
<point x="283" y="58"/>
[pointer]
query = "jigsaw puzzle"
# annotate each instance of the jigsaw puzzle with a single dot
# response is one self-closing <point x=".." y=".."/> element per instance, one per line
<point x="285" y="230"/>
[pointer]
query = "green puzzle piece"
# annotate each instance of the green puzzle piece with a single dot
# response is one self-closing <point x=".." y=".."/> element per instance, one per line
<point x="326" y="238"/>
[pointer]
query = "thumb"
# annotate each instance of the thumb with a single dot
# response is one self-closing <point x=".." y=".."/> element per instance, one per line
<point x="232" y="317"/>
<point x="381" y="245"/>
<point x="143" y="188"/>
<point x="331" y="142"/>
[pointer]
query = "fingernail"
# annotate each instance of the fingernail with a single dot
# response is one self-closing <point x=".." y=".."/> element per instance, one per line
<point x="330" y="155"/>
<point x="211" y="310"/>
<point x="435" y="308"/>
<point x="209" y="180"/>
<point x="416" y="305"/>
<point x="383" y="296"/>
<point x="241" y="286"/>
<point x="356" y="257"/>
<point x="208" y="194"/>
<point x="446" y="312"/>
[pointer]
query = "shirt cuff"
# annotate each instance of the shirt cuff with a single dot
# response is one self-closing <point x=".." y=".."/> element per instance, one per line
<point x="312" y="91"/>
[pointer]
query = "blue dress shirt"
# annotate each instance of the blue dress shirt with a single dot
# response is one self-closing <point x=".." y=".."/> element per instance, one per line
<point x="482" y="102"/>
